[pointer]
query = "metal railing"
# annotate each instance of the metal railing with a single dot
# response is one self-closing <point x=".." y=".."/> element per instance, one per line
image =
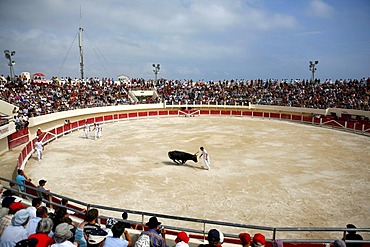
<point x="228" y="228"/>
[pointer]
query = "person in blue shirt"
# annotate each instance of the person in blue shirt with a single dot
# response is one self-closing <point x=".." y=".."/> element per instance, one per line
<point x="20" y="179"/>
<point x="116" y="241"/>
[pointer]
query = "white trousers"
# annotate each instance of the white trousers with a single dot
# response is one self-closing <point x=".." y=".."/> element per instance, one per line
<point x="39" y="153"/>
<point x="207" y="163"/>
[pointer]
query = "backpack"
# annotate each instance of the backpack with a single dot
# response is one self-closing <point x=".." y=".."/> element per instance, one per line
<point x="143" y="240"/>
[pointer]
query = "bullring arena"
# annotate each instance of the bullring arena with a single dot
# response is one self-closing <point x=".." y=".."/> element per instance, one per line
<point x="264" y="172"/>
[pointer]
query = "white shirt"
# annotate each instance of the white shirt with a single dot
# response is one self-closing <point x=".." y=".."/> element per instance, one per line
<point x="32" y="211"/>
<point x="38" y="145"/>
<point x="12" y="235"/>
<point x="32" y="224"/>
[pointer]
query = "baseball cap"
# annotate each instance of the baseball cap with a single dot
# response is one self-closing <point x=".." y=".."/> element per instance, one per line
<point x="215" y="235"/>
<point x="182" y="236"/>
<point x="245" y="237"/>
<point x="259" y="239"/>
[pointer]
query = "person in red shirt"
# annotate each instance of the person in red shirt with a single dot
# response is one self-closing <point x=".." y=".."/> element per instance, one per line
<point x="42" y="230"/>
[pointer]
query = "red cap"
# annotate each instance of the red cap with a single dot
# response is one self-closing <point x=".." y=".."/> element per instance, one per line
<point x="258" y="238"/>
<point x="15" y="206"/>
<point x="182" y="236"/>
<point x="245" y="238"/>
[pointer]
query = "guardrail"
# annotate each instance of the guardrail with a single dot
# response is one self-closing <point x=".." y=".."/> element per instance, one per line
<point x="198" y="232"/>
<point x="271" y="234"/>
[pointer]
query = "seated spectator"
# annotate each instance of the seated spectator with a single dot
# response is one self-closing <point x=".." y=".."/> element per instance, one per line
<point x="9" y="198"/>
<point x="245" y="239"/>
<point x="182" y="239"/>
<point x="62" y="234"/>
<point x="42" y="231"/>
<point x="36" y="203"/>
<point x="155" y="235"/>
<point x="125" y="217"/>
<point x="42" y="189"/>
<point x="7" y="218"/>
<point x="92" y="222"/>
<point x="60" y="215"/>
<point x="215" y="238"/>
<point x="64" y="203"/>
<point x="352" y="235"/>
<point x="259" y="240"/>
<point x="79" y="234"/>
<point x="16" y="232"/>
<point x="41" y="213"/>
<point x="156" y="232"/>
<point x="116" y="241"/>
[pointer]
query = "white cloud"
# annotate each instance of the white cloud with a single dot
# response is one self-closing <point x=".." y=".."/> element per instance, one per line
<point x="320" y="9"/>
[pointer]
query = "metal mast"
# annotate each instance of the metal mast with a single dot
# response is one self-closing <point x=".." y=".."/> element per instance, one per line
<point x="80" y="46"/>
<point x="81" y="52"/>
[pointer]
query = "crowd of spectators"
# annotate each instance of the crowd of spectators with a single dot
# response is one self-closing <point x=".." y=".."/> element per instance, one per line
<point x="39" y="97"/>
<point x="348" y="94"/>
<point x="34" y="225"/>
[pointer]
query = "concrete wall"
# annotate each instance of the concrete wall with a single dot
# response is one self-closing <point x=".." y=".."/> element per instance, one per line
<point x="5" y="131"/>
<point x="6" y="108"/>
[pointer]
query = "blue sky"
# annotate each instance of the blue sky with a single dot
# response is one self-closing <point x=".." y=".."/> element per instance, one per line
<point x="191" y="39"/>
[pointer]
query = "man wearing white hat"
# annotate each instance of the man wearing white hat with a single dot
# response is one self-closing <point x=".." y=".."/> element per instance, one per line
<point x="15" y="232"/>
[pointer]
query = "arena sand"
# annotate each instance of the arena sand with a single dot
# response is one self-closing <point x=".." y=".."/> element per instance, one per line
<point x="264" y="172"/>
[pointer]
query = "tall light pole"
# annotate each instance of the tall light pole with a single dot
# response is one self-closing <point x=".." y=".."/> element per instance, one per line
<point x="312" y="67"/>
<point x="81" y="52"/>
<point x="156" y="70"/>
<point x="8" y="55"/>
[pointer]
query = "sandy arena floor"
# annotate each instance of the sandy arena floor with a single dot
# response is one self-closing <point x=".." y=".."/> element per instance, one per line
<point x="264" y="172"/>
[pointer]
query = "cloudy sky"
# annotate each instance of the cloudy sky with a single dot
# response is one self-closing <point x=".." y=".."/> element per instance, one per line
<point x="190" y="39"/>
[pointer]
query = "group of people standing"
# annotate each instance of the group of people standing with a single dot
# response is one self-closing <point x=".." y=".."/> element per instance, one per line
<point x="98" y="129"/>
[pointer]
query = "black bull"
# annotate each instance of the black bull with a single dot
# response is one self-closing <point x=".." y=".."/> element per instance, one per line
<point x="180" y="157"/>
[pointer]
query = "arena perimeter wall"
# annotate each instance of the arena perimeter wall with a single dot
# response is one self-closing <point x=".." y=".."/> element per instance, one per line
<point x="54" y="125"/>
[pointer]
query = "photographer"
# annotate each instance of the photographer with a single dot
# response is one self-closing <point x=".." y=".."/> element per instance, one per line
<point x="156" y="233"/>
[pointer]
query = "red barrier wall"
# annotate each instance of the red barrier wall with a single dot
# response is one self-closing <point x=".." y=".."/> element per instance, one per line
<point x="153" y="113"/>
<point x="18" y="138"/>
